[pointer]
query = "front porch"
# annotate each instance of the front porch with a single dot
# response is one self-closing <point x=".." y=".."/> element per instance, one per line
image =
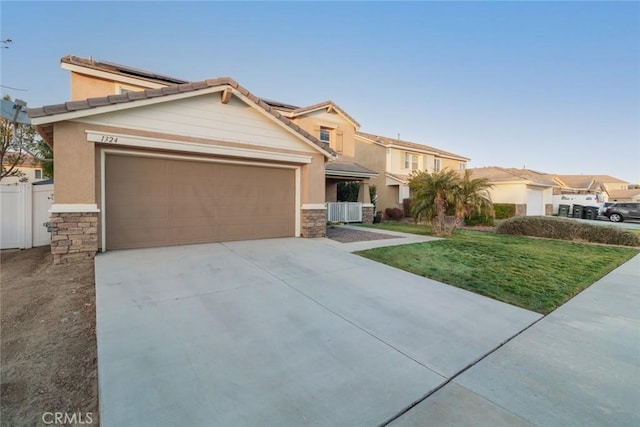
<point x="349" y="208"/>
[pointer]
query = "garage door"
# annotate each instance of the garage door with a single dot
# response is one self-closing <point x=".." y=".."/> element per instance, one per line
<point x="160" y="202"/>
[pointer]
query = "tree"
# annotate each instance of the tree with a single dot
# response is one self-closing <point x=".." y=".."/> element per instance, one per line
<point x="17" y="142"/>
<point x="46" y="154"/>
<point x="444" y="198"/>
<point x="475" y="195"/>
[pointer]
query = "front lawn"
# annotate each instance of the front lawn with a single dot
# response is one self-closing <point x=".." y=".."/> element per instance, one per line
<point x="536" y="274"/>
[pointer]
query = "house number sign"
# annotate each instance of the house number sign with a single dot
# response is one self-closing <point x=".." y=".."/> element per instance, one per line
<point x="109" y="139"/>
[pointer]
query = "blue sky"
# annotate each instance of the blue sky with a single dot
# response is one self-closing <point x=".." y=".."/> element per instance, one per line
<point x="554" y="86"/>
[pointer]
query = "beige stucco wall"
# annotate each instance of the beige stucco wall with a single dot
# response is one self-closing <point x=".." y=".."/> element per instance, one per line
<point x="74" y="164"/>
<point x="509" y="193"/>
<point x="373" y="156"/>
<point x="312" y="122"/>
<point x="83" y="87"/>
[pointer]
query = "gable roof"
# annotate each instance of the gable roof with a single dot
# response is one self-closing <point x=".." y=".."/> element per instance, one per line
<point x="624" y="194"/>
<point x="321" y="105"/>
<point x="587" y="181"/>
<point x="496" y="174"/>
<point x="349" y="169"/>
<point x="49" y="114"/>
<point x="119" y="69"/>
<point x="393" y="142"/>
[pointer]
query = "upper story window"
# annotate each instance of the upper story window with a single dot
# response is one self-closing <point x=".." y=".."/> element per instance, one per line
<point x="411" y="161"/>
<point x="325" y="134"/>
<point x="436" y="165"/>
<point x="38" y="173"/>
<point x="462" y="166"/>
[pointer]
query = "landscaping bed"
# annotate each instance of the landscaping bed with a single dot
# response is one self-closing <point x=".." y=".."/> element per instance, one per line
<point x="48" y="339"/>
<point x="349" y="235"/>
<point x="532" y="273"/>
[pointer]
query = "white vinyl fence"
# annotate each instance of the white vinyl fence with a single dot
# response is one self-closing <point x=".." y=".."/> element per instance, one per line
<point x="24" y="215"/>
<point x="344" y="212"/>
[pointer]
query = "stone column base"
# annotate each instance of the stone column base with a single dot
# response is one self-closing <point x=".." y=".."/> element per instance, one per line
<point x="74" y="236"/>
<point x="313" y="223"/>
<point x="367" y="214"/>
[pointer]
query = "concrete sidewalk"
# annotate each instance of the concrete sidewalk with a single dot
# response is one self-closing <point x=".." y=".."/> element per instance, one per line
<point x="579" y="366"/>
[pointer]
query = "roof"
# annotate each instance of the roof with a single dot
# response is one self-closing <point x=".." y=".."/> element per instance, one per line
<point x="383" y="140"/>
<point x="624" y="194"/>
<point x="326" y="104"/>
<point x="400" y="178"/>
<point x="348" y="169"/>
<point x="138" y="96"/>
<point x="496" y="174"/>
<point x="587" y="181"/>
<point x="280" y="105"/>
<point x="123" y="70"/>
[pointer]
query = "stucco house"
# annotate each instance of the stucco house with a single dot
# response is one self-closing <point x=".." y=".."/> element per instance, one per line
<point x="396" y="159"/>
<point x="530" y="191"/>
<point x="29" y="170"/>
<point x="188" y="163"/>
<point x="628" y="195"/>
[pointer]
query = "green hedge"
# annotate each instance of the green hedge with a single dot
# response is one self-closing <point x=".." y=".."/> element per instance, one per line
<point x="504" y="210"/>
<point x="567" y="229"/>
<point x="479" y="219"/>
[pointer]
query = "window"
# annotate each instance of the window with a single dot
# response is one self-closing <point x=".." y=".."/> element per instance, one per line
<point x="462" y="166"/>
<point x="325" y="134"/>
<point x="38" y="174"/>
<point x="436" y="165"/>
<point x="411" y="161"/>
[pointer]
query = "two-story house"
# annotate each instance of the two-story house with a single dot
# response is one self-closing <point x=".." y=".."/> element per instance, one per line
<point x="397" y="160"/>
<point x="151" y="160"/>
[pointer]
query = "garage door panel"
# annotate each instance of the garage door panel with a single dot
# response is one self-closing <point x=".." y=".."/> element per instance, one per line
<point x="159" y="202"/>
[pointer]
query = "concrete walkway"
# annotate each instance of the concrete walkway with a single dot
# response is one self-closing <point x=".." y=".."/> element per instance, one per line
<point x="579" y="366"/>
<point x="279" y="332"/>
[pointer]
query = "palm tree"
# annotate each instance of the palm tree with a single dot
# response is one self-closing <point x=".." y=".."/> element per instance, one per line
<point x="444" y="198"/>
<point x="475" y="194"/>
<point x="435" y="197"/>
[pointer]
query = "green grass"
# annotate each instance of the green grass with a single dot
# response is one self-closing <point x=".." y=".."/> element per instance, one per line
<point x="536" y="274"/>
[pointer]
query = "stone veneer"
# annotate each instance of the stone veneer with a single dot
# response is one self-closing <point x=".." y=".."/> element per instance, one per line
<point x="367" y="214"/>
<point x="74" y="235"/>
<point x="313" y="223"/>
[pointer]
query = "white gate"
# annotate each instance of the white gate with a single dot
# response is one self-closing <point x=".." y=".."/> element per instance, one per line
<point x="24" y="212"/>
<point x="344" y="212"/>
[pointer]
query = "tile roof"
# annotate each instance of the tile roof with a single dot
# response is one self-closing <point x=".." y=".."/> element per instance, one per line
<point x="347" y="167"/>
<point x="587" y="181"/>
<point x="624" y="194"/>
<point x="132" y="97"/>
<point x="407" y="144"/>
<point x="123" y="70"/>
<point x="496" y="174"/>
<point x="302" y="110"/>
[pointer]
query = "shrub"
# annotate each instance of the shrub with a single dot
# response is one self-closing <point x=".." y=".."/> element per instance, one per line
<point x="479" y="219"/>
<point x="504" y="210"/>
<point x="566" y="229"/>
<point x="394" y="214"/>
<point x="406" y="207"/>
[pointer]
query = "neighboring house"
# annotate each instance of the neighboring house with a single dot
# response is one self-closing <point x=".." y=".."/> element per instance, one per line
<point x="588" y="184"/>
<point x="397" y="160"/>
<point x="530" y="191"/>
<point x="188" y="163"/>
<point x="629" y="195"/>
<point x="29" y="169"/>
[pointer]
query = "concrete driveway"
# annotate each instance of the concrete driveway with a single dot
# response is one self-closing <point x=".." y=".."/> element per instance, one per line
<point x="279" y="332"/>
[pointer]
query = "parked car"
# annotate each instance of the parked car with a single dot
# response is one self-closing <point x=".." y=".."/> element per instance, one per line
<point x="603" y="208"/>
<point x="621" y="211"/>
